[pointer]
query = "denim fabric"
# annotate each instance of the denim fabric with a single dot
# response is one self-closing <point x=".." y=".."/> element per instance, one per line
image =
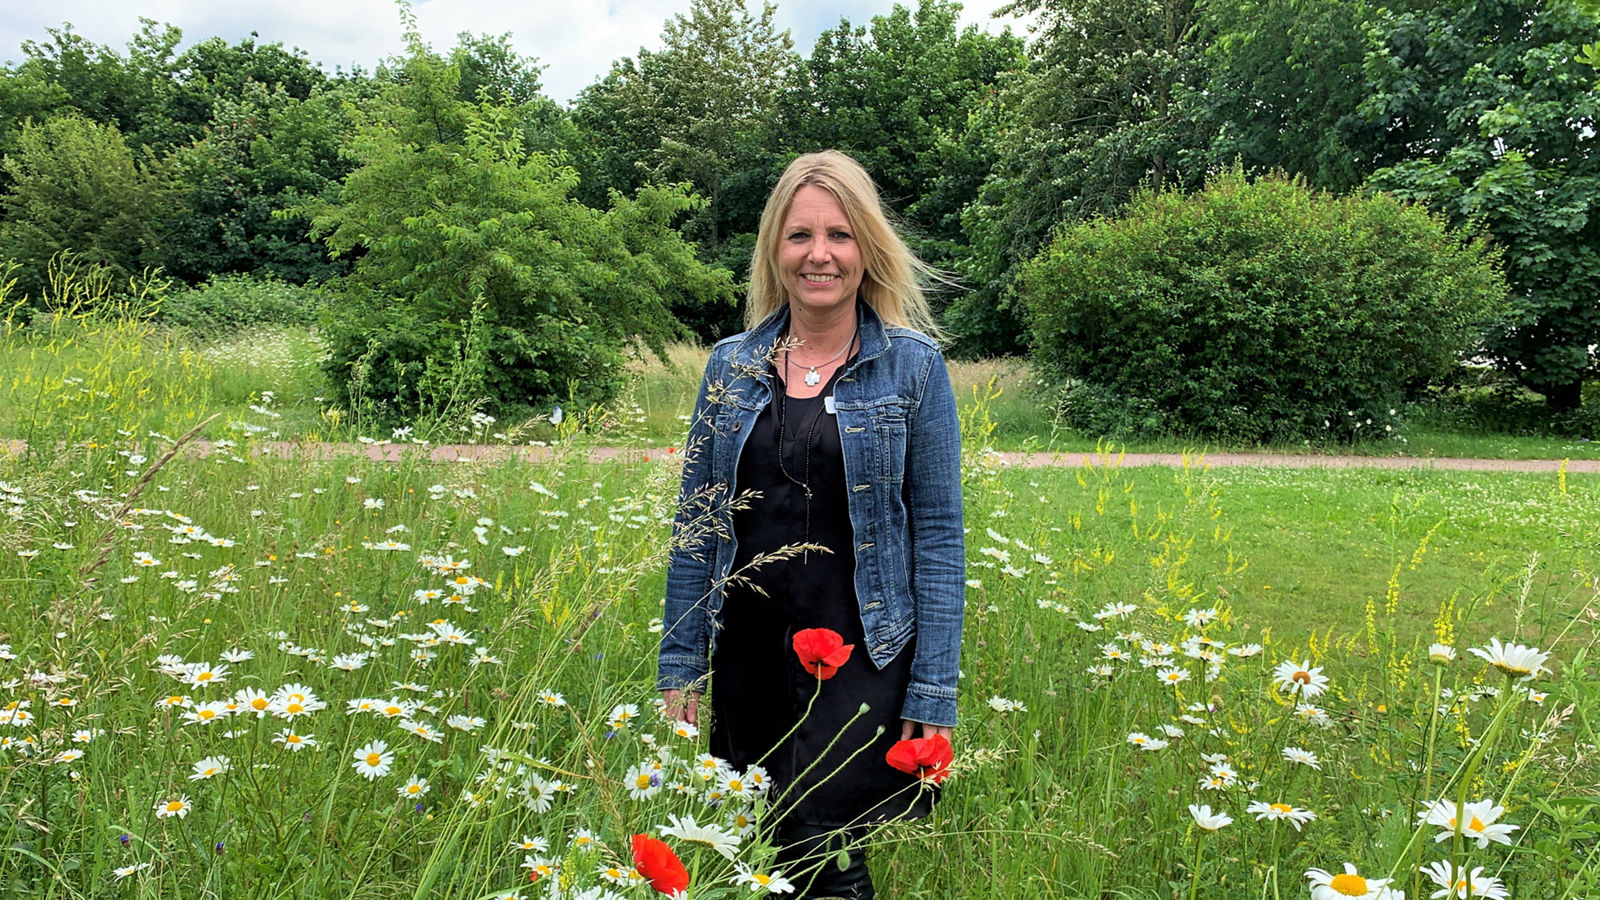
<point x="902" y="458"/>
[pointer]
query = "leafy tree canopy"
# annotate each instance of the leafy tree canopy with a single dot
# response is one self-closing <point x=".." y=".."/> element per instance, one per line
<point x="1497" y="117"/>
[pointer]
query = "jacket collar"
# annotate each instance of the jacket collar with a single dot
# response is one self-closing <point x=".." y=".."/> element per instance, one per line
<point x="756" y="348"/>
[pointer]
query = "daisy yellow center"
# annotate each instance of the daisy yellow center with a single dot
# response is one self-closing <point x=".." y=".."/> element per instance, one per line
<point x="1174" y="676"/>
<point x="1513" y="669"/>
<point x="294" y="708"/>
<point x="205" y="676"/>
<point x="374" y="759"/>
<point x="210" y="771"/>
<point x="643" y="781"/>
<point x="736" y="785"/>
<point x="763" y="880"/>
<point x="1302" y="677"/>
<point x="208" y="714"/>
<point x="1476" y="824"/>
<point x="413" y="788"/>
<point x="1281" y="808"/>
<point x="175" y="700"/>
<point x="259" y="704"/>
<point x="392" y="710"/>
<point x="1349" y="885"/>
<point x="174" y="805"/>
<point x="292" y="739"/>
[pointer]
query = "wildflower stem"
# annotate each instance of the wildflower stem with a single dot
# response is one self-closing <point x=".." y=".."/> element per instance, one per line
<point x="791" y="731"/>
<point x="1194" y="874"/>
<point x="824" y="754"/>
<point x="1427" y="779"/>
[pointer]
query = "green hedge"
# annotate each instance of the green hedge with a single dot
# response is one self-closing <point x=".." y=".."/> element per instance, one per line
<point x="226" y="303"/>
<point x="1255" y="311"/>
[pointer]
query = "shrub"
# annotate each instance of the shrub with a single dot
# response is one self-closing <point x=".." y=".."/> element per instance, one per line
<point x="479" y="283"/>
<point x="1255" y="311"/>
<point x="226" y="303"/>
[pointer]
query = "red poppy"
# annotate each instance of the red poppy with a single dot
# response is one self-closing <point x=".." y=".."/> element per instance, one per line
<point x="659" y="865"/>
<point x="927" y="758"/>
<point x="822" y="651"/>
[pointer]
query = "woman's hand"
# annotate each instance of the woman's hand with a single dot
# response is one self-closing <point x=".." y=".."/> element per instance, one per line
<point x="681" y="706"/>
<point x="908" y="730"/>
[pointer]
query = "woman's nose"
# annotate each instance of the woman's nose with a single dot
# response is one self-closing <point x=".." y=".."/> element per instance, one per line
<point x="818" y="250"/>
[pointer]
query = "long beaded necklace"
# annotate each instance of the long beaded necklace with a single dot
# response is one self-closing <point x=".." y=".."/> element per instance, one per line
<point x="782" y="400"/>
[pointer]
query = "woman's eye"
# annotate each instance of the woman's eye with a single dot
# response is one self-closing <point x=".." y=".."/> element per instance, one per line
<point x="841" y="235"/>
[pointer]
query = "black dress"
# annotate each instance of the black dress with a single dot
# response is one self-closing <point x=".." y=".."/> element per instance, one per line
<point x="759" y="688"/>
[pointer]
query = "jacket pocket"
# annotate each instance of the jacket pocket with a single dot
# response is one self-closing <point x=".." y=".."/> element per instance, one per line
<point x="887" y="418"/>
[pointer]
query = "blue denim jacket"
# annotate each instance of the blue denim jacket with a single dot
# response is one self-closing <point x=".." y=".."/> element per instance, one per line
<point x="902" y="461"/>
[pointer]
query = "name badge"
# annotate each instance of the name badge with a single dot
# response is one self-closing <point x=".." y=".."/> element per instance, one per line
<point x="827" y="404"/>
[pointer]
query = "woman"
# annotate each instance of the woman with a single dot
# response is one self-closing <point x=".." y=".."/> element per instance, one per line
<point x="829" y="425"/>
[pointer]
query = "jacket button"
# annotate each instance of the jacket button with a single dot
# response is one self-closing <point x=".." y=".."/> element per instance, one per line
<point x="736" y="425"/>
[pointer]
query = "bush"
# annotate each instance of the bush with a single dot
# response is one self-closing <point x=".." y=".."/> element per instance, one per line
<point x="479" y="284"/>
<point x="227" y="303"/>
<point x="1255" y="311"/>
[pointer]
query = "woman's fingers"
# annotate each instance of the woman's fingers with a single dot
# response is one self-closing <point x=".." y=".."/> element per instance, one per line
<point x="908" y="729"/>
<point x="684" y="707"/>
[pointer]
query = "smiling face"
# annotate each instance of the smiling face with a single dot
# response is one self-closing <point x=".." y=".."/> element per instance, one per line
<point x="819" y="259"/>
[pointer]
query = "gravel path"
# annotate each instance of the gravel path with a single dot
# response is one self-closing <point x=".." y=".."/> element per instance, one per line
<point x="492" y="453"/>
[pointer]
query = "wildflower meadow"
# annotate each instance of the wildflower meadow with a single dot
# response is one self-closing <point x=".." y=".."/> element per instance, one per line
<point x="230" y="668"/>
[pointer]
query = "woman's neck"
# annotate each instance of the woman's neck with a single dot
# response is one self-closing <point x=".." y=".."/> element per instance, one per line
<point x="821" y="334"/>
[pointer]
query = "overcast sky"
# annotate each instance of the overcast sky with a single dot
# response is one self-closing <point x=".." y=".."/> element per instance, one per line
<point x="576" y="39"/>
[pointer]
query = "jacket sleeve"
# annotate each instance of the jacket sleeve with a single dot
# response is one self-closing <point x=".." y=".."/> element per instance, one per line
<point x="938" y="551"/>
<point x="684" y="660"/>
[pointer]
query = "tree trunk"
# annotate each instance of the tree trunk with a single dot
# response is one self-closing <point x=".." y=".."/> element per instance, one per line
<point x="1564" y="397"/>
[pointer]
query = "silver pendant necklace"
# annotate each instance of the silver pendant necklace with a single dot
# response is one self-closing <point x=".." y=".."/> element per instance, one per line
<point x="813" y="377"/>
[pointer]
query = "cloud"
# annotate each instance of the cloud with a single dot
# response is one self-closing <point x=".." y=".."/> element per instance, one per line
<point x="576" y="40"/>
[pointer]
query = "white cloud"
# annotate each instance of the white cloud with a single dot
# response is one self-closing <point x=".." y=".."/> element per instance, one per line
<point x="577" y="40"/>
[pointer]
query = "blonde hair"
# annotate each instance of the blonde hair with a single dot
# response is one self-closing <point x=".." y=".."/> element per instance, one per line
<point x="892" y="276"/>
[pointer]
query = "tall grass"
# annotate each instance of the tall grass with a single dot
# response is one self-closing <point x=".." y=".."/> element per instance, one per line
<point x="508" y="609"/>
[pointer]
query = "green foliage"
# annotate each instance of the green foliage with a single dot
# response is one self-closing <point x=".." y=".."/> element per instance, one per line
<point x="1095" y="116"/>
<point x="1255" y="311"/>
<point x="1498" y="116"/>
<point x="698" y="112"/>
<point x="897" y="95"/>
<point x="1284" y="88"/>
<point x="475" y="266"/>
<point x="262" y="153"/>
<point x="77" y="188"/>
<point x="232" y="303"/>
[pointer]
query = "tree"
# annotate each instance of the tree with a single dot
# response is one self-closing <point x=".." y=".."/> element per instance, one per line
<point x="77" y="187"/>
<point x="1496" y="116"/>
<point x="1096" y="115"/>
<point x="474" y="261"/>
<point x="489" y="63"/>
<point x="1284" y="89"/>
<point x="697" y="112"/>
<point x="898" y="96"/>
<point x="262" y="154"/>
<point x="1255" y="310"/>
